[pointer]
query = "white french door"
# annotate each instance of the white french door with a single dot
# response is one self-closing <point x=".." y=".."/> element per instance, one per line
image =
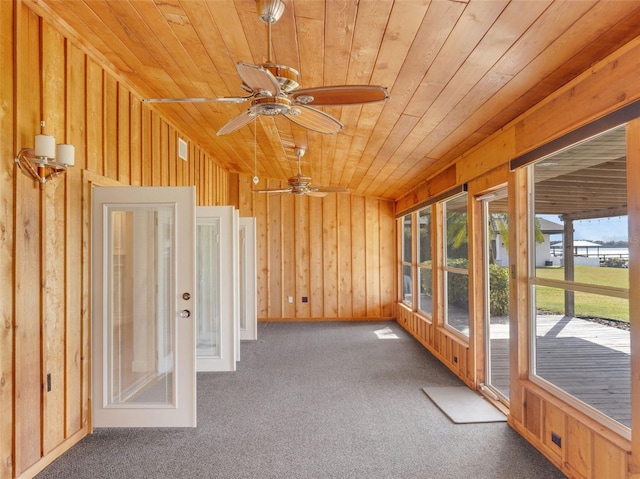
<point x="143" y="249"/>
<point x="216" y="273"/>
<point x="247" y="262"/>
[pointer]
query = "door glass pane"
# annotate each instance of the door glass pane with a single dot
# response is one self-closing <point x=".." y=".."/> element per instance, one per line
<point x="207" y="287"/>
<point x="140" y="335"/>
<point x="497" y="294"/>
<point x="242" y="279"/>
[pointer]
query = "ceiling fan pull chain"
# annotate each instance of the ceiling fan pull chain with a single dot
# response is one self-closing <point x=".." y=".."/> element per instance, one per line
<point x="255" y="151"/>
<point x="269" y="46"/>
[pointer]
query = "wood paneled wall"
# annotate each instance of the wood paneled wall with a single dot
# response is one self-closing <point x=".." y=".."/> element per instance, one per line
<point x="337" y="251"/>
<point x="44" y="239"/>
<point x="589" y="449"/>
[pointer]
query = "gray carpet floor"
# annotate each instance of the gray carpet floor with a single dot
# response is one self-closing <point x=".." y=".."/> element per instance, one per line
<point x="315" y="400"/>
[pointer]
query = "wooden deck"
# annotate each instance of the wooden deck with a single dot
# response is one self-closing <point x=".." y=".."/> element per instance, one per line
<point x="588" y="360"/>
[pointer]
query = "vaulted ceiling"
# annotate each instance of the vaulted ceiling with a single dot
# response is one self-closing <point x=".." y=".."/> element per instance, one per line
<point x="457" y="71"/>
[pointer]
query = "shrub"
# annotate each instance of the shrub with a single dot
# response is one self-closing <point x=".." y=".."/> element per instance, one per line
<point x="499" y="290"/>
<point x="458" y="288"/>
<point x="615" y="263"/>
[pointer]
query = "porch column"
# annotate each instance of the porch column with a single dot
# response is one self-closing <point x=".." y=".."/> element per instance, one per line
<point x="569" y="271"/>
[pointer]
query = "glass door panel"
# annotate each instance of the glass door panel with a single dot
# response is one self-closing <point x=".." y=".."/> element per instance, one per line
<point x="208" y="288"/>
<point x="140" y="345"/>
<point x="496" y="279"/>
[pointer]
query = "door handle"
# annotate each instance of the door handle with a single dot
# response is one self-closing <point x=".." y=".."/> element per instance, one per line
<point x="185" y="313"/>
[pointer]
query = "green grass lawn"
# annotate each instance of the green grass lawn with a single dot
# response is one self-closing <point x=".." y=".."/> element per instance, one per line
<point x="551" y="300"/>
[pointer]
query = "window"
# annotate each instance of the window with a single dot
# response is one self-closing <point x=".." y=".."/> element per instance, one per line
<point x="579" y="276"/>
<point x="407" y="270"/>
<point x="456" y="264"/>
<point x="425" y="270"/>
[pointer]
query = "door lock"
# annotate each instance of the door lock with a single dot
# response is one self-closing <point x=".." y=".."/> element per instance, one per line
<point x="186" y="296"/>
<point x="185" y="313"/>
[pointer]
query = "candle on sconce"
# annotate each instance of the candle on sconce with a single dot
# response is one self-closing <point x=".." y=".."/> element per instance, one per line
<point x="45" y="146"/>
<point x="65" y="154"/>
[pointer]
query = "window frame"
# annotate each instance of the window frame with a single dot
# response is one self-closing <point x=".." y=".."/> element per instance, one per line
<point x="446" y="269"/>
<point x="534" y="281"/>
<point x="407" y="264"/>
<point x="419" y="267"/>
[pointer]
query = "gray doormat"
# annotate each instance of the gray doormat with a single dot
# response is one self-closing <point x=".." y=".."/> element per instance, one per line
<point x="463" y="406"/>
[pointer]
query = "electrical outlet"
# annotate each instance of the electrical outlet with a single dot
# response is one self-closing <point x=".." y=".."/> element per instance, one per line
<point x="305" y="299"/>
<point x="455" y="359"/>
<point x="557" y="440"/>
<point x="291" y="299"/>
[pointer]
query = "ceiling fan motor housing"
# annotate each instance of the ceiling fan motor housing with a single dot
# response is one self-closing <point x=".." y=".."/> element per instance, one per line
<point x="271" y="106"/>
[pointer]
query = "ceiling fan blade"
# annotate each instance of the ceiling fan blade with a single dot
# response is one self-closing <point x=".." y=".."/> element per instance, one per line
<point x="222" y="99"/>
<point x="258" y="79"/>
<point x="315" y="120"/>
<point x="286" y="190"/>
<point x="315" y="194"/>
<point x="236" y="122"/>
<point x="330" y="189"/>
<point x="340" y="95"/>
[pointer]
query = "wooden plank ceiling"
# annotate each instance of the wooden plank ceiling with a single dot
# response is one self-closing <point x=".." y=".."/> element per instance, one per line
<point x="457" y="71"/>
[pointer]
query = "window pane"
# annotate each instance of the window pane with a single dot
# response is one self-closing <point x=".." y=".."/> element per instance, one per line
<point x="426" y="291"/>
<point x="456" y="231"/>
<point x="457" y="294"/>
<point x="406" y="283"/>
<point x="424" y="242"/>
<point x="406" y="239"/>
<point x="588" y="356"/>
<point x="593" y="259"/>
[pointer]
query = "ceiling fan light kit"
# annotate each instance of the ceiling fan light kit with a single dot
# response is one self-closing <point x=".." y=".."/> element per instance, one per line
<point x="301" y="185"/>
<point x="270" y="11"/>
<point x="274" y="90"/>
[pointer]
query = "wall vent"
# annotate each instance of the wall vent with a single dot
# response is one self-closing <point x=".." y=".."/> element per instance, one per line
<point x="182" y="149"/>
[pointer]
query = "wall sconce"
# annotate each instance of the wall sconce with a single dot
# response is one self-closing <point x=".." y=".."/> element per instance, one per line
<point x="45" y="160"/>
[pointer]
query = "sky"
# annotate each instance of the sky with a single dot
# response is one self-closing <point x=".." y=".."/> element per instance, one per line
<point x="604" y="229"/>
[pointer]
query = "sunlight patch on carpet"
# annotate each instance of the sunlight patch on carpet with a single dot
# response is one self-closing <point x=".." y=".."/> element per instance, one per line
<point x="386" y="333"/>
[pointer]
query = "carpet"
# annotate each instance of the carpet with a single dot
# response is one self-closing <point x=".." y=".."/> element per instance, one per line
<point x="463" y="406"/>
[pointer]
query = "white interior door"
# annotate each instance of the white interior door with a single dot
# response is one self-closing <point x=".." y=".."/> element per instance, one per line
<point x="248" y="292"/>
<point x="143" y="346"/>
<point x="215" y="271"/>
<point x="236" y="280"/>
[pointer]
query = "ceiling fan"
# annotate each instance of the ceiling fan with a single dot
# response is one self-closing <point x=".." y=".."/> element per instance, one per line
<point x="274" y="90"/>
<point x="301" y="185"/>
